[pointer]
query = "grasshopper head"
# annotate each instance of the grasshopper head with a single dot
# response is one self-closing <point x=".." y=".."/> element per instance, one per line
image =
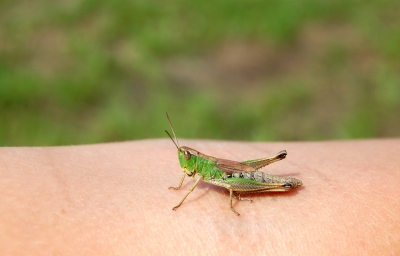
<point x="187" y="157"/>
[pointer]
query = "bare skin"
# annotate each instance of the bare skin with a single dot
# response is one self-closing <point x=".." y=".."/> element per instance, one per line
<point x="113" y="199"/>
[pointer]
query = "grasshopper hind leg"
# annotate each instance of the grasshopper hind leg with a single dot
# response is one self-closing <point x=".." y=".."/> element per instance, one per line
<point x="237" y="196"/>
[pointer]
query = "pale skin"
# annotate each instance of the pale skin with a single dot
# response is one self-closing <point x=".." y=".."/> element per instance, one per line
<point x="113" y="199"/>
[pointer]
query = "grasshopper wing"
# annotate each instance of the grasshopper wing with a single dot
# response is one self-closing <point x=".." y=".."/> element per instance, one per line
<point x="260" y="163"/>
<point x="229" y="167"/>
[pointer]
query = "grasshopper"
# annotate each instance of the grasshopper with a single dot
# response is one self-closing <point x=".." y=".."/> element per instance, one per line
<point x="237" y="177"/>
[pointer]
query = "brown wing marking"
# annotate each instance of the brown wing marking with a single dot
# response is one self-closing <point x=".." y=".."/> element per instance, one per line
<point x="229" y="166"/>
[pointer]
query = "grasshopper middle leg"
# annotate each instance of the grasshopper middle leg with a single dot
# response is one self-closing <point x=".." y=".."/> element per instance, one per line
<point x="231" y="193"/>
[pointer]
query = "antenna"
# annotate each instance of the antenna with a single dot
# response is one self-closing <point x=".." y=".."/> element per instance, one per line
<point x="170" y="124"/>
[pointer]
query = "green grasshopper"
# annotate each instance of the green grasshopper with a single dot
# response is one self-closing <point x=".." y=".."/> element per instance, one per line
<point x="237" y="177"/>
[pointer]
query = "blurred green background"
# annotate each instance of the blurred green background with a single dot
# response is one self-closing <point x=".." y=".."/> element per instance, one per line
<point x="75" y="72"/>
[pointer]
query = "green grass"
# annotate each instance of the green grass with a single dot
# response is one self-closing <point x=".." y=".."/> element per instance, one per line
<point x="78" y="72"/>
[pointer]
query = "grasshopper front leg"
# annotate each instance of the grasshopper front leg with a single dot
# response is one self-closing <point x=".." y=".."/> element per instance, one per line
<point x="180" y="184"/>
<point x="190" y="191"/>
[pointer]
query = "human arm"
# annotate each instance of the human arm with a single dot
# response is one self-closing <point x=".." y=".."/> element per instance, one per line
<point x="113" y="199"/>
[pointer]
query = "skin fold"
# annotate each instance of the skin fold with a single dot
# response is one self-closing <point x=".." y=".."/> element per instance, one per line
<point x="113" y="199"/>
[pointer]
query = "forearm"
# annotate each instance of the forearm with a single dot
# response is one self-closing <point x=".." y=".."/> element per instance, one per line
<point x="114" y="198"/>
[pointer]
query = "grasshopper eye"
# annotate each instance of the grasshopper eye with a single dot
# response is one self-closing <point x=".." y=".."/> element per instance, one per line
<point x="187" y="155"/>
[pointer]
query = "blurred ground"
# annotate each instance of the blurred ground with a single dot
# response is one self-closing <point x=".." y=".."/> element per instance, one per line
<point x="74" y="72"/>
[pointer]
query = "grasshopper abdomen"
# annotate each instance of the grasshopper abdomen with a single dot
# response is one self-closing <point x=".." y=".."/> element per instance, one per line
<point x="267" y="178"/>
